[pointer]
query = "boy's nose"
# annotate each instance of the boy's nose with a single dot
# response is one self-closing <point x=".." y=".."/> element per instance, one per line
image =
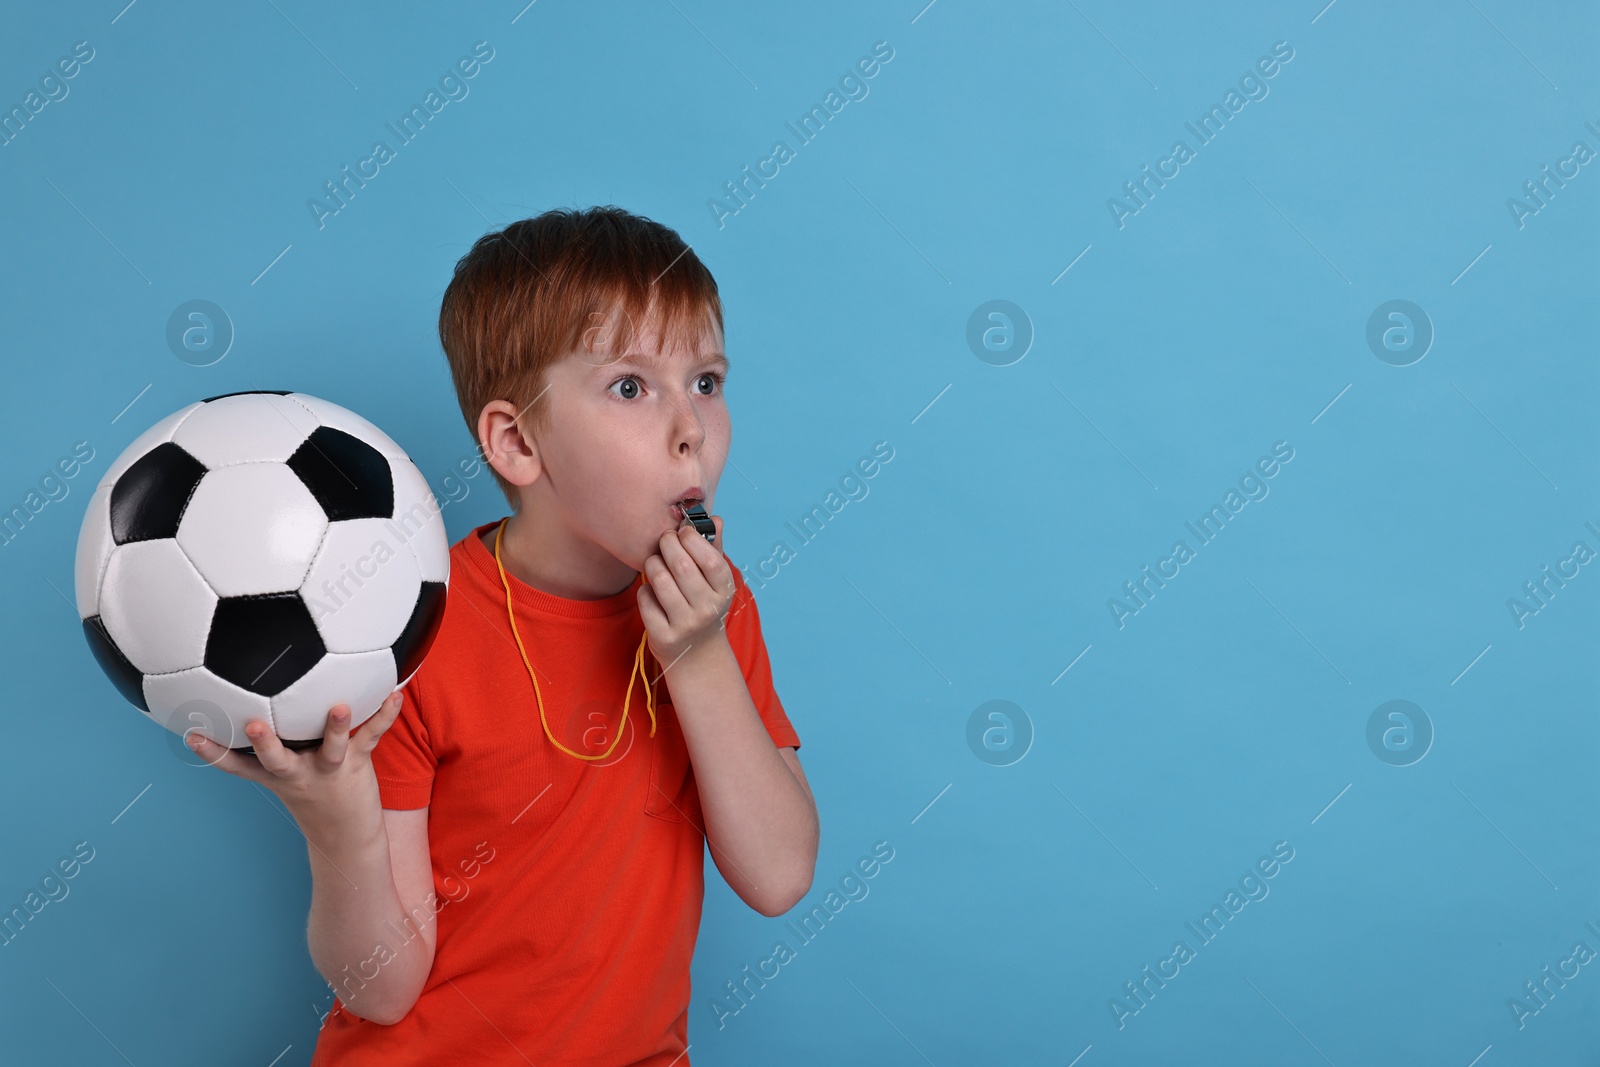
<point x="688" y="431"/>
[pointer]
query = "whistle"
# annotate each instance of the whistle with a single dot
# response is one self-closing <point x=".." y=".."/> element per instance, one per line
<point x="696" y="514"/>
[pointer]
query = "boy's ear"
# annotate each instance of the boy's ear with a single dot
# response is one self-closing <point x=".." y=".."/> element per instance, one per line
<point x="512" y="453"/>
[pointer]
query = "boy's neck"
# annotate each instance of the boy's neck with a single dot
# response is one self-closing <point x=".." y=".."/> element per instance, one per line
<point x="542" y="558"/>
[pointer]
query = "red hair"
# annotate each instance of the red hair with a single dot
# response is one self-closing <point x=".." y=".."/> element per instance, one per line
<point x="569" y="280"/>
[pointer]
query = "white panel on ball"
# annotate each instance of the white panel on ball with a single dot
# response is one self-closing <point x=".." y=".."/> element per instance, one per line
<point x="158" y="434"/>
<point x="331" y="414"/>
<point x="217" y="708"/>
<point x="248" y="428"/>
<point x="420" y="520"/>
<point x="156" y="606"/>
<point x="361" y="680"/>
<point x="362" y="586"/>
<point x="252" y="529"/>
<point x="94" y="550"/>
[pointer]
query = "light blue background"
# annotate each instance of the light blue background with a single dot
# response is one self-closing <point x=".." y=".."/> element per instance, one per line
<point x="1225" y="316"/>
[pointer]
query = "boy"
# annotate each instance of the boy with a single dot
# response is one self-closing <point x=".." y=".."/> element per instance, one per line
<point x="507" y="858"/>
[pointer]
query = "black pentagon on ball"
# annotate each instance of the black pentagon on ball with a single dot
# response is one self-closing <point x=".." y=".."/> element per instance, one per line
<point x="148" y="500"/>
<point x="263" y="643"/>
<point x="248" y="392"/>
<point x="124" y="675"/>
<point x="349" y="478"/>
<point x="421" y="628"/>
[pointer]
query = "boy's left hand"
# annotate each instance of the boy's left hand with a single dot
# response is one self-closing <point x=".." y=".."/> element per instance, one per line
<point x="688" y="588"/>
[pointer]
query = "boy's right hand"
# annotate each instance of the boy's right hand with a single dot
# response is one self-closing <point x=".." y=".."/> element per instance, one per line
<point x="330" y="790"/>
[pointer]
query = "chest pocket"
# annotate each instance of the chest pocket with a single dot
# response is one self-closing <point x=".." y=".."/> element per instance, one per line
<point x="672" y="796"/>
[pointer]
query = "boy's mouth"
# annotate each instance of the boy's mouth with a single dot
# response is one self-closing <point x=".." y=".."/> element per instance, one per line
<point x="694" y="495"/>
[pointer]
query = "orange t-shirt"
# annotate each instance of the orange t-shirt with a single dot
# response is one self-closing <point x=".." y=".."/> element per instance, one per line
<point x="567" y="891"/>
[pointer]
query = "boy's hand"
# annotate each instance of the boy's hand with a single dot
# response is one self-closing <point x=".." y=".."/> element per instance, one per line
<point x="330" y="790"/>
<point x="687" y="592"/>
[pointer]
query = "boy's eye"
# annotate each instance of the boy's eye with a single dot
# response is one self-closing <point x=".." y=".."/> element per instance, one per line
<point x="630" y="385"/>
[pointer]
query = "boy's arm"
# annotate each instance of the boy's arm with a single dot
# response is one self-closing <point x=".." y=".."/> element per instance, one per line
<point x="359" y="854"/>
<point x="761" y="821"/>
<point x="366" y="884"/>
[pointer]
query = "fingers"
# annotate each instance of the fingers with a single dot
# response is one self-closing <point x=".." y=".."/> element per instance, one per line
<point x="225" y="759"/>
<point x="272" y="760"/>
<point x="687" y="561"/>
<point x="710" y="566"/>
<point x="375" y="727"/>
<point x="650" y="609"/>
<point x="269" y="750"/>
<point x="664" y="582"/>
<point x="335" y="736"/>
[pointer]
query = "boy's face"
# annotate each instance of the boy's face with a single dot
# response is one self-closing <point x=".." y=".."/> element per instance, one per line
<point x="629" y="437"/>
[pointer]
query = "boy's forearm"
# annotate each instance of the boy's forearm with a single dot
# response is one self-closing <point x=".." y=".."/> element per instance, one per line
<point x="760" y="822"/>
<point x="357" y="929"/>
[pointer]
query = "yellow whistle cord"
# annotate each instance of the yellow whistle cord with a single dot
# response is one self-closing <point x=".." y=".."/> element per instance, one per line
<point x="638" y="668"/>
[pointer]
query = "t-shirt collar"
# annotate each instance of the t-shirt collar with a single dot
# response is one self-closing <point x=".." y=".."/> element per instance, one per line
<point x="525" y="595"/>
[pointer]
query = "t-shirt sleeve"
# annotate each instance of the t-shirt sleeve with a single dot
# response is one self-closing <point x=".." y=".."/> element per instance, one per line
<point x="744" y="637"/>
<point x="403" y="759"/>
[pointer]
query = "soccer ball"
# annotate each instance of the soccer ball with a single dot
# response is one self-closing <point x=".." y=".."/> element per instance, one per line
<point x="261" y="555"/>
